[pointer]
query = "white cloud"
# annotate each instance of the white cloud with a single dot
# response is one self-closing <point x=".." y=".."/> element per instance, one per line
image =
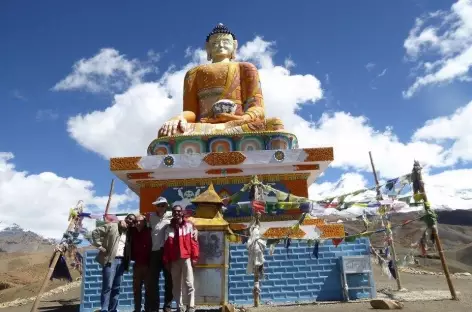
<point x="106" y="71"/>
<point x="444" y="40"/>
<point x="456" y="128"/>
<point x="370" y="66"/>
<point x="382" y="73"/>
<point x="131" y="122"/>
<point x="49" y="197"/>
<point x="352" y="138"/>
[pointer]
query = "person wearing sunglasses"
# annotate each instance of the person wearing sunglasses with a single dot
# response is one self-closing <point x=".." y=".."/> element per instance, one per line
<point x="159" y="221"/>
<point x="181" y="253"/>
<point x="114" y="254"/>
<point x="141" y="243"/>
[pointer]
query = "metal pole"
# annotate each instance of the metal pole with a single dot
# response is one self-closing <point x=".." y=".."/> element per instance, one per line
<point x="389" y="233"/>
<point x="417" y="178"/>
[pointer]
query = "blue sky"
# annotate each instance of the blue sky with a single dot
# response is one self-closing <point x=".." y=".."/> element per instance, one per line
<point x="356" y="49"/>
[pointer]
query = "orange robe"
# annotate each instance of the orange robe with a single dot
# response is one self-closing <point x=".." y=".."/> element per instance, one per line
<point x="239" y="82"/>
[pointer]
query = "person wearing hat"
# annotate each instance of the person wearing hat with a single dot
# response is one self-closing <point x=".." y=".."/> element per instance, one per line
<point x="159" y="221"/>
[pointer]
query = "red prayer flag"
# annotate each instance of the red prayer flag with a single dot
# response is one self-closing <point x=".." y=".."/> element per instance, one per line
<point x="258" y="206"/>
<point x="337" y="241"/>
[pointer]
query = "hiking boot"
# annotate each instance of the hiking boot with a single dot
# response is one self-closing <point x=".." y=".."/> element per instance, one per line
<point x="167" y="309"/>
<point x="190" y="310"/>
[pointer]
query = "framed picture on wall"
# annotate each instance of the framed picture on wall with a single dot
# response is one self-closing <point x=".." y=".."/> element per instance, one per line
<point x="212" y="248"/>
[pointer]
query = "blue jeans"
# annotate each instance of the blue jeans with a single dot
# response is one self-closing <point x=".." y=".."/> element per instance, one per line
<point x="111" y="282"/>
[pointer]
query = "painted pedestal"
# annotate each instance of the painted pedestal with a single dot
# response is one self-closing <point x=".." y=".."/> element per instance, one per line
<point x="182" y="168"/>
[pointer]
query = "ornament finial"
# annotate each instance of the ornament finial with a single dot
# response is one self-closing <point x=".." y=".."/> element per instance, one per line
<point x="220" y="29"/>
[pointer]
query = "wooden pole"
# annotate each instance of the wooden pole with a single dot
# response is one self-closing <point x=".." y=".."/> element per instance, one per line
<point x="389" y="233"/>
<point x="109" y="197"/>
<point x="55" y="258"/>
<point x="256" y="193"/>
<point x="418" y="188"/>
<point x="257" y="288"/>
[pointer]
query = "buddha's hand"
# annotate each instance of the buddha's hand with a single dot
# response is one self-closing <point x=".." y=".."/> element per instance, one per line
<point x="173" y="127"/>
<point x="221" y="118"/>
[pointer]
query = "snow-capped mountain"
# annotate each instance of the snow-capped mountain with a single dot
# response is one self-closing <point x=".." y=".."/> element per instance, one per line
<point x="13" y="238"/>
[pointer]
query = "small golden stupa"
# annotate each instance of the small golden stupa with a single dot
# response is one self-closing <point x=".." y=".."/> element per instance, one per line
<point x="208" y="213"/>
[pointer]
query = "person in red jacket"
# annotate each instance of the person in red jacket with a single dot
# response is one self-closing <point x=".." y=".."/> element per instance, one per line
<point x="141" y="244"/>
<point x="181" y="253"/>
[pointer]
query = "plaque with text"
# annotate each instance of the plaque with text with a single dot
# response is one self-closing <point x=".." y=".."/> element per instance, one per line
<point x="359" y="264"/>
<point x="208" y="285"/>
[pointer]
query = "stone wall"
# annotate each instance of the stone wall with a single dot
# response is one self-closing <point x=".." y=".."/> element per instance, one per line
<point x="294" y="277"/>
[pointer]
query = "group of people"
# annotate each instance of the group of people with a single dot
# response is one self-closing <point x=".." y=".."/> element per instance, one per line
<point x="157" y="242"/>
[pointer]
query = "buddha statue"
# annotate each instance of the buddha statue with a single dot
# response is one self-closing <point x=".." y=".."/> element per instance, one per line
<point x="222" y="97"/>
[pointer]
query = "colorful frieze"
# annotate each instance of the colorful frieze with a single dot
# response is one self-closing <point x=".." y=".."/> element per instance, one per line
<point x="332" y="230"/>
<point x="124" y="163"/>
<point x="184" y="193"/>
<point x="324" y="231"/>
<point x="139" y="175"/>
<point x="190" y="146"/>
<point x="187" y="144"/>
<point x="278" y="142"/>
<point x="245" y="210"/>
<point x="304" y="231"/>
<point x="284" y="232"/>
<point x="250" y="143"/>
<point x="159" y="148"/>
<point x="224" y="159"/>
<point x="317" y="221"/>
<point x="306" y="167"/>
<point x="319" y="154"/>
<point x="220" y="145"/>
<point x="297" y="185"/>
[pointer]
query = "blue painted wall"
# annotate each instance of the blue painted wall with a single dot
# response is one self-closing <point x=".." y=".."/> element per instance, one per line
<point x="298" y="275"/>
<point x="294" y="277"/>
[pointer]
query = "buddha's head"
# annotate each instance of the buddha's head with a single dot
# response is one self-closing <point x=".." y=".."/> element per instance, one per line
<point x="221" y="44"/>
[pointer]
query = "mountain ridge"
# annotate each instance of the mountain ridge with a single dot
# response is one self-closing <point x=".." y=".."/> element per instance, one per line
<point x="13" y="238"/>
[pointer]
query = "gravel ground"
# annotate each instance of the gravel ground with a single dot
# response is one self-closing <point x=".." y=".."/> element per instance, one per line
<point x="431" y="290"/>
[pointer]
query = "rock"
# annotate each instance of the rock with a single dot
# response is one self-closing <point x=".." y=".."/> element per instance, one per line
<point x="228" y="308"/>
<point x="386" y="304"/>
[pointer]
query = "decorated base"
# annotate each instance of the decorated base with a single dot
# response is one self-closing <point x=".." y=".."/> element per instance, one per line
<point x="251" y="141"/>
<point x="181" y="177"/>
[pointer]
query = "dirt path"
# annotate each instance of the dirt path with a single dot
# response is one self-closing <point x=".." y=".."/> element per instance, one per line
<point x="64" y="302"/>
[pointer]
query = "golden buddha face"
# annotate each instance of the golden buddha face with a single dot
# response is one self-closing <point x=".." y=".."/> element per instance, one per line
<point x="221" y="47"/>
